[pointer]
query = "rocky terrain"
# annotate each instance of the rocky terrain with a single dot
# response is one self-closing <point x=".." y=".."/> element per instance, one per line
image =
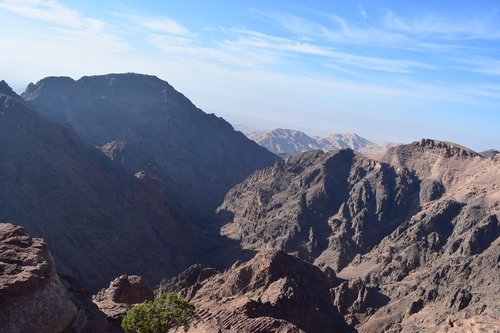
<point x="416" y="226"/>
<point x="273" y="293"/>
<point x="143" y="123"/>
<point x="99" y="221"/>
<point x="33" y="298"/>
<point x="122" y="175"/>
<point x="293" y="142"/>
<point x="122" y="293"/>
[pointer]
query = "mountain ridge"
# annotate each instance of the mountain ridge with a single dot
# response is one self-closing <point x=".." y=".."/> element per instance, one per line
<point x="197" y="156"/>
<point x="66" y="191"/>
<point x="293" y="142"/>
<point x="407" y="224"/>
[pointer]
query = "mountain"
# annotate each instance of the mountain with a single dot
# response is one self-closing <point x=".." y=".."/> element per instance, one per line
<point x="293" y="142"/>
<point x="490" y="153"/>
<point x="273" y="293"/>
<point x="143" y="123"/>
<point x="415" y="233"/>
<point x="100" y="222"/>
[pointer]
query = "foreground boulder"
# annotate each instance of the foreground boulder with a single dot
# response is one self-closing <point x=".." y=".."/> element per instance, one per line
<point x="274" y="292"/>
<point x="118" y="298"/>
<point x="32" y="297"/>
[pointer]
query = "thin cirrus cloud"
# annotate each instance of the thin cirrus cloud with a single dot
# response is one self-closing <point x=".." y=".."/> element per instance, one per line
<point x="484" y="27"/>
<point x="52" y="12"/>
<point x="161" y="24"/>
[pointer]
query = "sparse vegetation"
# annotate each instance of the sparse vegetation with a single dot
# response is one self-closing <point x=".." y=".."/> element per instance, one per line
<point x="158" y="316"/>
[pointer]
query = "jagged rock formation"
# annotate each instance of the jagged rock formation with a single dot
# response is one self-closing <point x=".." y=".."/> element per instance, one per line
<point x="413" y="231"/>
<point x="274" y="293"/>
<point x="143" y="123"/>
<point x="325" y="207"/>
<point x="99" y="221"/>
<point x="122" y="293"/>
<point x="293" y="142"/>
<point x="32" y="296"/>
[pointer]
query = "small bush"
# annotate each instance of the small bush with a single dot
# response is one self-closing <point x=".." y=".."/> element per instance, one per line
<point x="158" y="316"/>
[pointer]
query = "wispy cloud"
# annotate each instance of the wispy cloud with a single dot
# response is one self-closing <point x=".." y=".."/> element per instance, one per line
<point x="362" y="11"/>
<point x="163" y="24"/>
<point x="52" y="12"/>
<point x="434" y="26"/>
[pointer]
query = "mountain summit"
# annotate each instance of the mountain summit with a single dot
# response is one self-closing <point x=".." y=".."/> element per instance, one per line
<point x="294" y="142"/>
<point x="143" y="123"/>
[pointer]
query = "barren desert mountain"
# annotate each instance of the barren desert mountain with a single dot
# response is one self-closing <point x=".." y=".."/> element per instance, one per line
<point x="99" y="221"/>
<point x="417" y="226"/>
<point x="489" y="153"/>
<point x="273" y="292"/>
<point x="143" y="123"/>
<point x="293" y="142"/>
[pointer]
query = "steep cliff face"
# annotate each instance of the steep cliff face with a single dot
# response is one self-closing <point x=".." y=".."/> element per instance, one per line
<point x="273" y="292"/>
<point x="325" y="207"/>
<point x="414" y="231"/>
<point x="145" y="124"/>
<point x="440" y="266"/>
<point x="99" y="221"/>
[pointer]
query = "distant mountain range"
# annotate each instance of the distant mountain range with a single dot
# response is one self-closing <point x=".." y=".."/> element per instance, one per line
<point x="293" y="142"/>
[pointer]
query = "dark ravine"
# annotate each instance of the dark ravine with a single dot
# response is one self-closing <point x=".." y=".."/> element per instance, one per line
<point x="99" y="221"/>
<point x="143" y="123"/>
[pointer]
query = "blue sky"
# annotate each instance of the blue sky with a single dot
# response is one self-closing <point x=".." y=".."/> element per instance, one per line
<point x="387" y="70"/>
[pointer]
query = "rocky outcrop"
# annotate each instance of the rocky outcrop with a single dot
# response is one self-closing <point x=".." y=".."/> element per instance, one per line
<point x="413" y="232"/>
<point x="143" y="123"/>
<point x="273" y="292"/>
<point x="326" y="207"/>
<point x="99" y="221"/>
<point x="122" y="293"/>
<point x="32" y="297"/>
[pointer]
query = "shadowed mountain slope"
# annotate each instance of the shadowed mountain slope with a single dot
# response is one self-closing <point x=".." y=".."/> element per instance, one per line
<point x="99" y="221"/>
<point x="143" y="123"/>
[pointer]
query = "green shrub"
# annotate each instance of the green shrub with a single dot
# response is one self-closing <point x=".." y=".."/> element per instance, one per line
<point x="158" y="316"/>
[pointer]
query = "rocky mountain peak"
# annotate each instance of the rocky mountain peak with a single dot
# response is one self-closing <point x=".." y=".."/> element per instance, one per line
<point x="143" y="123"/>
<point x="294" y="142"/>
<point x="449" y="148"/>
<point x="5" y="89"/>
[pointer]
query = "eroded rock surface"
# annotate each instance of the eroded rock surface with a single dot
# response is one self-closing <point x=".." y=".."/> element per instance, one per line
<point x="32" y="297"/>
<point x="414" y="231"/>
<point x="273" y="292"/>
<point x="122" y="293"/>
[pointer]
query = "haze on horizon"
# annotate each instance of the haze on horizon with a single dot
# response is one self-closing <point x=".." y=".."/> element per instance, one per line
<point x="387" y="70"/>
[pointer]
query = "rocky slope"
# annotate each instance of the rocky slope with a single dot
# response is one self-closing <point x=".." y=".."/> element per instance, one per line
<point x="293" y="142"/>
<point x="98" y="221"/>
<point x="122" y="293"/>
<point x="32" y="296"/>
<point x="414" y="231"/>
<point x="143" y="123"/>
<point x="273" y="293"/>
